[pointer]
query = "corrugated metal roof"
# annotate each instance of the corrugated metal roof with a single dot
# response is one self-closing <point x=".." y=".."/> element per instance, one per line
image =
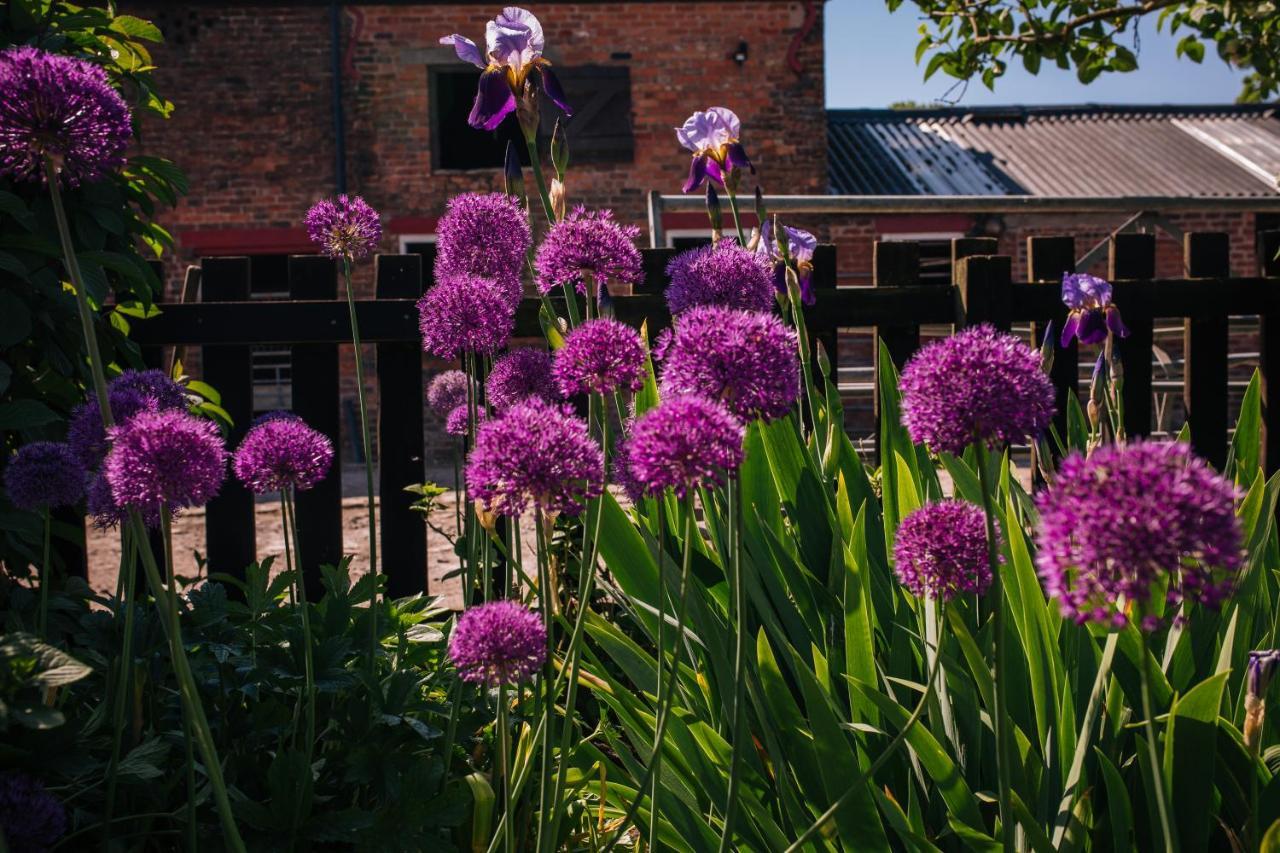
<point x="1056" y="151"/>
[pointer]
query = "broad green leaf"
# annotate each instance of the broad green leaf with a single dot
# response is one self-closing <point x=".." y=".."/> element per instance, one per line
<point x="1189" y="759"/>
<point x="1118" y="807"/>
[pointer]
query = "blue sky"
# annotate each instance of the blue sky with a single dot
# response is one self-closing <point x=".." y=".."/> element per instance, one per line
<point x="870" y="63"/>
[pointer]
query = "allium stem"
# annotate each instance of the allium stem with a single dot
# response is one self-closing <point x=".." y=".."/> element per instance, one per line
<point x="548" y="697"/>
<point x="304" y="606"/>
<point x="1153" y="756"/>
<point x="884" y="756"/>
<point x="368" y="465"/>
<point x="138" y="531"/>
<point x="120" y="699"/>
<point x="733" y="491"/>
<point x="531" y="142"/>
<point x="166" y="531"/>
<point x="44" y="575"/>
<point x="1000" y="673"/>
<point x="504" y="764"/>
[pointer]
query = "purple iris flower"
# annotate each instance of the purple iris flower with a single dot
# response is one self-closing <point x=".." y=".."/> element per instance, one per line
<point x="800" y="247"/>
<point x="514" y="44"/>
<point x="714" y="138"/>
<point x="1092" y="316"/>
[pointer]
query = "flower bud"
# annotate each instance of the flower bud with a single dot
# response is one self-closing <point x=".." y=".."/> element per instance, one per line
<point x="1046" y="349"/>
<point x="513" y="175"/>
<point x="762" y="212"/>
<point x="557" y="194"/>
<point x="713" y="212"/>
<point x="488" y="519"/>
<point x="559" y="149"/>
<point x="527" y="112"/>
<point x="1262" y="666"/>
<point x="1095" y="384"/>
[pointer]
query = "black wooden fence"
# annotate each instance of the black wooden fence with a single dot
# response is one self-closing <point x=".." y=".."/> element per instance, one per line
<point x="313" y="323"/>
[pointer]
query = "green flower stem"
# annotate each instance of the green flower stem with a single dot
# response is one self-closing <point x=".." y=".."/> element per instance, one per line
<point x="166" y="531"/>
<point x="733" y="208"/>
<point x="288" y="548"/>
<point x="545" y="594"/>
<point x="1000" y="675"/>
<point x="138" y="530"/>
<point x="521" y="778"/>
<point x="861" y="779"/>
<point x="120" y="697"/>
<point x="291" y="530"/>
<point x="367" y="438"/>
<point x="44" y="575"/>
<point x="1153" y="756"/>
<point x="663" y="711"/>
<point x="504" y="762"/>
<point x="659" y="695"/>
<point x="733" y="491"/>
<point x="531" y="143"/>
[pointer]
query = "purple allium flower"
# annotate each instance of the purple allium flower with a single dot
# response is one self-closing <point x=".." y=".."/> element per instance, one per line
<point x="465" y="313"/>
<point x="458" y="421"/>
<point x="106" y="513"/>
<point x="168" y="394"/>
<point x="535" y="453"/>
<point x="1134" y="520"/>
<point x="519" y="375"/>
<point x="745" y="359"/>
<point x="63" y="108"/>
<point x="498" y="643"/>
<point x="344" y="227"/>
<point x="282" y="453"/>
<point x="448" y="391"/>
<point x="714" y="138"/>
<point x="85" y="432"/>
<point x="274" y="415"/>
<point x="940" y="551"/>
<point x="620" y="469"/>
<point x="800" y="248"/>
<point x="723" y="274"/>
<point x="684" y="442"/>
<point x="599" y="357"/>
<point x="484" y="234"/>
<point x="1092" y="316"/>
<point x="31" y="818"/>
<point x="588" y="243"/>
<point x="977" y="385"/>
<point x="513" y="48"/>
<point x="44" y="474"/>
<point x="165" y="458"/>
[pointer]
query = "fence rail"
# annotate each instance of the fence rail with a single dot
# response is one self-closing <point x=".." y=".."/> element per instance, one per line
<point x="314" y="323"/>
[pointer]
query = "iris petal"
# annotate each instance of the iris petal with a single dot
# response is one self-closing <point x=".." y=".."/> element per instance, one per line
<point x="1069" y="328"/>
<point x="1115" y="324"/>
<point x="736" y="157"/>
<point x="467" y="50"/>
<point x="494" y="100"/>
<point x="551" y="85"/>
<point x="1093" y="328"/>
<point x="806" y="290"/>
<point x="697" y="173"/>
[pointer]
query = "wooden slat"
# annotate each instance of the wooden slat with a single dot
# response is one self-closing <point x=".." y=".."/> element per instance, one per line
<point x="229" y="522"/>
<point x="1133" y="257"/>
<point x="983" y="283"/>
<point x="315" y="381"/>
<point x="1048" y="260"/>
<point x="400" y="463"/>
<point x="1269" y="360"/>
<point x="896" y="263"/>
<point x="1207" y="255"/>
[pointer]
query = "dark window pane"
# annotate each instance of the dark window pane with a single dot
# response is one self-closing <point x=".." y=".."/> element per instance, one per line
<point x="456" y="144"/>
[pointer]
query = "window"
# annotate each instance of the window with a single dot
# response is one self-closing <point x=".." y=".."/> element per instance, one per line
<point x="935" y="254"/>
<point x="599" y="130"/>
<point x="425" y="245"/>
<point x="272" y="367"/>
<point x="683" y="239"/>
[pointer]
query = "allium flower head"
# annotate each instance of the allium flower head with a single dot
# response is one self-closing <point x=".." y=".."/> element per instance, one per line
<point x="165" y="458"/>
<point x="31" y="818"/>
<point x="448" y="391"/>
<point x="344" y="227"/>
<point x="723" y="274"/>
<point x="168" y="394"/>
<point x="487" y="235"/>
<point x="44" y="474"/>
<point x="600" y="357"/>
<point x="465" y="313"/>
<point x="684" y="442"/>
<point x="519" y="375"/>
<point x="588" y="243"/>
<point x="63" y="108"/>
<point x="745" y="359"/>
<point x="106" y="513"/>
<point x="282" y="453"/>
<point x="714" y="137"/>
<point x="514" y="42"/>
<point x="86" y="433"/>
<point x="1092" y="316"/>
<point x="535" y="454"/>
<point x="620" y="470"/>
<point x="1137" y="521"/>
<point x="498" y="643"/>
<point x="458" y="421"/>
<point x="940" y="551"/>
<point x="977" y="385"/>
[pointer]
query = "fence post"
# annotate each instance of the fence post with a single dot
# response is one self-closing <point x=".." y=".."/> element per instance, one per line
<point x="968" y="247"/>
<point x="1133" y="257"/>
<point x="896" y="263"/>
<point x="1048" y="260"/>
<point x="1206" y="255"/>
<point x="400" y="463"/>
<point x="983" y="286"/>
<point x="822" y="330"/>
<point x="1269" y="357"/>
<point x="231" y="538"/>
<point x="316" y="398"/>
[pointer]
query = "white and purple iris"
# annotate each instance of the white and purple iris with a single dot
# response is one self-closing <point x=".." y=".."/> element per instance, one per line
<point x="1092" y="316"/>
<point x="513" y="48"/>
<point x="800" y="247"/>
<point x="714" y="138"/>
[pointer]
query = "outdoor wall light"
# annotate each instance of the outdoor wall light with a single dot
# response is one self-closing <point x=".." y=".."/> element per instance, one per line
<point x="740" y="55"/>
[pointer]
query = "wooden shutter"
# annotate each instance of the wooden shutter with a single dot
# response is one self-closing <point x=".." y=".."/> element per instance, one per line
<point x="600" y="129"/>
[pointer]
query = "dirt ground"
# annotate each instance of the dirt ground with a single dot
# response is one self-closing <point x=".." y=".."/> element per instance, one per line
<point x="189" y="537"/>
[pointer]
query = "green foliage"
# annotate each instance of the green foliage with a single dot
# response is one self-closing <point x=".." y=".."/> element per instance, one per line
<point x="969" y="40"/>
<point x="43" y="369"/>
